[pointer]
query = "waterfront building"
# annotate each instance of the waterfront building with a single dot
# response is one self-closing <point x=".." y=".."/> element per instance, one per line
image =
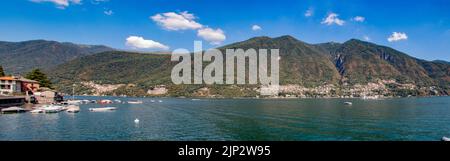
<point x="11" y="85"/>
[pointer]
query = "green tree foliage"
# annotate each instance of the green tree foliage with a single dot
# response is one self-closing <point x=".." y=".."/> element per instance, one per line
<point x="2" y="73"/>
<point x="38" y="75"/>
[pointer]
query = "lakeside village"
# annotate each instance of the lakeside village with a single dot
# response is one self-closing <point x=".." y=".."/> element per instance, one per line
<point x="19" y="94"/>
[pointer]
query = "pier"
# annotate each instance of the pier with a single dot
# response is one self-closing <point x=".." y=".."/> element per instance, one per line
<point x="6" y="101"/>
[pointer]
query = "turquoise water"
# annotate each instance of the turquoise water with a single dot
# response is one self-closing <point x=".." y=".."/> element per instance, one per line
<point x="241" y="119"/>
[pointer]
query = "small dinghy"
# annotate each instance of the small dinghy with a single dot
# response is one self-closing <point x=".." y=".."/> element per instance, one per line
<point x="445" y="139"/>
<point x="135" y="102"/>
<point x="73" y="109"/>
<point x="51" y="108"/>
<point x="37" y="111"/>
<point x="102" y="109"/>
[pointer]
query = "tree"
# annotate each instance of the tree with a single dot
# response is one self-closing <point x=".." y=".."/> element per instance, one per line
<point x="2" y="73"/>
<point x="39" y="76"/>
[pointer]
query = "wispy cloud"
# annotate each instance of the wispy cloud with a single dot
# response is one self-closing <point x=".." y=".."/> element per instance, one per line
<point x="186" y="21"/>
<point x="333" y="18"/>
<point x="309" y="12"/>
<point x="397" y="36"/>
<point x="359" y="19"/>
<point x="61" y="4"/>
<point x="138" y="42"/>
<point x="108" y="12"/>
<point x="256" y="27"/>
<point x="215" y="37"/>
<point x="177" y="21"/>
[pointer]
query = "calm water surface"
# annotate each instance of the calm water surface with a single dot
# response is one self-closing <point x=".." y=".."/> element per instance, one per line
<point x="240" y="119"/>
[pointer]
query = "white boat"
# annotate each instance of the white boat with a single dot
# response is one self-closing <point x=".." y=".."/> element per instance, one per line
<point x="348" y="103"/>
<point x="135" y="102"/>
<point x="13" y="110"/>
<point x="102" y="109"/>
<point x="445" y="139"/>
<point x="117" y="101"/>
<point x="51" y="108"/>
<point x="160" y="101"/>
<point x="153" y="101"/>
<point x="73" y="109"/>
<point x="37" y="111"/>
<point x="74" y="102"/>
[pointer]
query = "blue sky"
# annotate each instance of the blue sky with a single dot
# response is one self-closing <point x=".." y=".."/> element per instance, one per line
<point x="422" y="28"/>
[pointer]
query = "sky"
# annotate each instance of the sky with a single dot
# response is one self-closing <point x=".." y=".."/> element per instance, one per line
<point x="418" y="28"/>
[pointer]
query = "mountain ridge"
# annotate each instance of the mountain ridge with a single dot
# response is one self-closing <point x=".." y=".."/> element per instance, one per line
<point x="342" y="66"/>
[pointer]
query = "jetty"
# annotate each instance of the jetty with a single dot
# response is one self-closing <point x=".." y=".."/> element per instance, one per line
<point x="10" y="101"/>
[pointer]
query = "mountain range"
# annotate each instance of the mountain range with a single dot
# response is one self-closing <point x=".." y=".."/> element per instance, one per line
<point x="343" y="66"/>
<point x="21" y="57"/>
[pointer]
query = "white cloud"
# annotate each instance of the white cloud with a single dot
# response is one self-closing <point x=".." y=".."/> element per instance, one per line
<point x="61" y="4"/>
<point x="176" y="21"/>
<point x="140" y="43"/>
<point x="359" y="19"/>
<point x="332" y="18"/>
<point x="397" y="36"/>
<point x="215" y="37"/>
<point x="309" y="12"/>
<point x="108" y="12"/>
<point x="366" y="38"/>
<point x="98" y="1"/>
<point x="256" y="28"/>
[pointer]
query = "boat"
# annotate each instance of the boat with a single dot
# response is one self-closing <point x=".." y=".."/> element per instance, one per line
<point x="445" y="139"/>
<point x="36" y="111"/>
<point x="51" y="108"/>
<point x="74" y="102"/>
<point x="73" y="109"/>
<point x="11" y="110"/>
<point x="153" y="101"/>
<point x="106" y="102"/>
<point x="160" y="101"/>
<point x="102" y="109"/>
<point x="348" y="103"/>
<point x="135" y="102"/>
<point x="117" y="101"/>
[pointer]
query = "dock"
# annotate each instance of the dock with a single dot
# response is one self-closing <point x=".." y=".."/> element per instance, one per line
<point x="9" y="101"/>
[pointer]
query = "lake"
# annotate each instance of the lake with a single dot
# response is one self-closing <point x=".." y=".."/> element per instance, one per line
<point x="400" y="119"/>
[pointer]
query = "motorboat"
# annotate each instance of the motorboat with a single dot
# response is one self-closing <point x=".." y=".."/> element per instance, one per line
<point x="73" y="109"/>
<point x="102" y="109"/>
<point x="12" y="110"/>
<point x="117" y="101"/>
<point x="37" y="111"/>
<point x="445" y="139"/>
<point x="105" y="102"/>
<point x="51" y="108"/>
<point x="348" y="103"/>
<point x="74" y="102"/>
<point x="135" y="102"/>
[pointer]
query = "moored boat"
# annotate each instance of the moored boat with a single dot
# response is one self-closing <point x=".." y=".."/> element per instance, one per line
<point x="102" y="109"/>
<point x="51" y="108"/>
<point x="135" y="102"/>
<point x="105" y="102"/>
<point x="73" y="109"/>
<point x="445" y="139"/>
<point x="348" y="103"/>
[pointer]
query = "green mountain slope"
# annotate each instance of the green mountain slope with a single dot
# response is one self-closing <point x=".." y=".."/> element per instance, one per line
<point x="343" y="65"/>
<point x="20" y="57"/>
